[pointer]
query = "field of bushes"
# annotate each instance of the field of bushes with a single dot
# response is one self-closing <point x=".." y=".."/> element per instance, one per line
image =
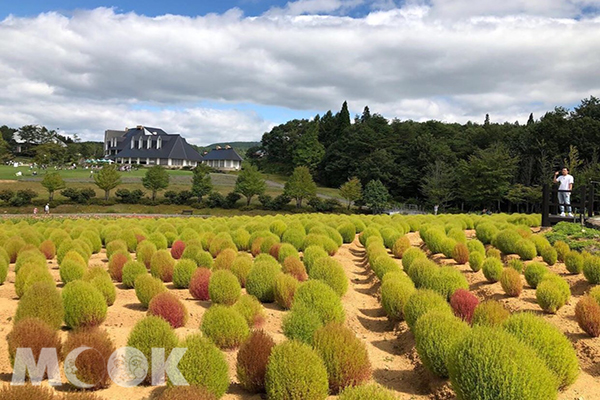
<point x="306" y="306"/>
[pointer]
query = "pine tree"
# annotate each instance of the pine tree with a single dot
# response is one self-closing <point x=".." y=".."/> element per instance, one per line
<point x="300" y="185"/>
<point x="343" y="120"/>
<point x="376" y="196"/>
<point x="530" y="121"/>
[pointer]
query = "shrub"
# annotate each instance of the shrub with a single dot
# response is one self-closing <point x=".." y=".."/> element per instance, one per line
<point x="177" y="249"/>
<point x="145" y="251"/>
<point x="187" y="392"/>
<point x="261" y="281"/>
<point x="460" y="253"/>
<point x="241" y="267"/>
<point x="29" y="256"/>
<point x="295" y="372"/>
<point x="436" y="333"/>
<point x="146" y="287"/>
<point x="168" y="307"/>
<point x="370" y="391"/>
<point x="31" y="333"/>
<point x="84" y="305"/>
<point x="511" y="282"/>
<point x="526" y="249"/>
<point x="574" y="262"/>
<point x="421" y="302"/>
<point x="385" y="264"/>
<point x="394" y="295"/>
<point x="162" y="265"/>
<point x="549" y="255"/>
<point x="400" y="246"/>
<point x="91" y="364"/>
<point x="552" y="293"/>
<point x="490" y="313"/>
<point x="48" y="249"/>
<point x="224" y="326"/>
<point x="204" y="259"/>
<point x="13" y="246"/>
<point x="153" y="332"/>
<point x="204" y="365"/>
<point x="591" y="269"/>
<point x="252" y="359"/>
<point x="42" y="301"/>
<point x="131" y="270"/>
<point x="595" y="293"/>
<point x="493" y="253"/>
<point x="562" y="249"/>
<point x="250" y="308"/>
<point x="587" y="314"/>
<point x="345" y="356"/>
<point x="241" y="239"/>
<point x="463" y="304"/>
<point x="114" y="247"/>
<point x="332" y="273"/>
<point x="224" y="288"/>
<point x="476" y="260"/>
<point x="506" y="240"/>
<point x="105" y="286"/>
<point x="311" y="255"/>
<point x="199" y="284"/>
<point x="301" y="324"/>
<point x="448" y="245"/>
<point x="492" y="364"/>
<point x="516" y="264"/>
<point x="492" y="269"/>
<point x="71" y="270"/>
<point x="294" y="236"/>
<point x="534" y="273"/>
<point x="29" y="275"/>
<point x="294" y="267"/>
<point x="549" y="344"/>
<point x="447" y="280"/>
<point x="410" y="256"/>
<point x="475" y="246"/>
<point x="540" y="243"/>
<point x="486" y="232"/>
<point x="285" y="287"/>
<point x="321" y="299"/>
<point x="115" y="265"/>
<point x="3" y="270"/>
<point x="225" y="259"/>
<point x="182" y="273"/>
<point x="422" y="272"/>
<point x="26" y="392"/>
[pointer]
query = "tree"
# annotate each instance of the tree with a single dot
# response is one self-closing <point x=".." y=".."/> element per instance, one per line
<point x="107" y="179"/>
<point x="49" y="154"/>
<point x="376" y="196"/>
<point x="156" y="179"/>
<point x="300" y="185"/>
<point x="4" y="150"/>
<point x="201" y="182"/>
<point x="439" y="183"/>
<point x="308" y="151"/>
<point x="351" y="190"/>
<point x="53" y="181"/>
<point x="250" y="183"/>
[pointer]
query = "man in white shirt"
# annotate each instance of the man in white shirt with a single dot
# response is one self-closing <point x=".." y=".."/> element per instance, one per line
<point x="566" y="183"/>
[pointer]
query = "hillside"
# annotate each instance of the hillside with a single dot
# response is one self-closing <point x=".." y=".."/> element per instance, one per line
<point x="240" y="147"/>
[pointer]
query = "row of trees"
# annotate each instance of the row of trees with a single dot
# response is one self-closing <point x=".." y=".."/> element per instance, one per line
<point x="472" y="165"/>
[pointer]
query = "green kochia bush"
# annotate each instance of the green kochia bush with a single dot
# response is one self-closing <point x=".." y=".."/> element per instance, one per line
<point x="492" y="269"/>
<point x="549" y="255"/>
<point x="422" y="272"/>
<point x="332" y="273"/>
<point x="296" y="372"/>
<point x="552" y="293"/>
<point x="421" y="302"/>
<point x="321" y="299"/>
<point x="486" y="232"/>
<point x="489" y="363"/>
<point x="42" y="301"/>
<point x="591" y="269"/>
<point x="447" y="280"/>
<point x="525" y="248"/>
<point x="436" y="333"/>
<point x="383" y="265"/>
<point x="204" y="365"/>
<point x="410" y="256"/>
<point x="476" y="260"/>
<point x="85" y="306"/>
<point x="490" y="313"/>
<point x="261" y="281"/>
<point x="367" y="392"/>
<point x="224" y="326"/>
<point x="224" y="287"/>
<point x="506" y="241"/>
<point x="182" y="273"/>
<point x="395" y="292"/>
<point x="549" y="343"/>
<point x="301" y="324"/>
<point x="131" y="270"/>
<point x="311" y="255"/>
<point x="146" y="287"/>
<point x="574" y="262"/>
<point x="534" y="273"/>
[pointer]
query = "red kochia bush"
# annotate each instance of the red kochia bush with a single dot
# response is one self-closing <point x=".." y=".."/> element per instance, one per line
<point x="199" y="284"/>
<point x="252" y="360"/>
<point x="91" y="364"/>
<point x="32" y="333"/>
<point x="294" y="267"/>
<point x="274" y="250"/>
<point x="167" y="306"/>
<point x="48" y="249"/>
<point x="460" y="253"/>
<point x="115" y="265"/>
<point x="177" y="249"/>
<point x="587" y="314"/>
<point x="463" y="304"/>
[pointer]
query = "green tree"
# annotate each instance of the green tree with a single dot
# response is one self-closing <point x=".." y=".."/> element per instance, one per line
<point x="4" y="150"/>
<point x="250" y="183"/>
<point x="439" y="183"/>
<point x="107" y="179"/>
<point x="376" y="196"/>
<point x="53" y="181"/>
<point x="308" y="151"/>
<point x="201" y="182"/>
<point x="351" y="190"/>
<point x="49" y="154"/>
<point x="485" y="178"/>
<point x="156" y="179"/>
<point x="300" y="185"/>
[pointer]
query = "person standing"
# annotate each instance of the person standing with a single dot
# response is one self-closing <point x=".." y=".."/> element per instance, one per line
<point x="47" y="208"/>
<point x="565" y="187"/>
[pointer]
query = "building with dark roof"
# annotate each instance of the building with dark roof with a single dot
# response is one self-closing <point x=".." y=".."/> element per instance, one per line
<point x="149" y="146"/>
<point x="226" y="159"/>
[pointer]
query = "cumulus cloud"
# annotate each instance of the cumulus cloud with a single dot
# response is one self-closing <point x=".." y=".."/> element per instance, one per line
<point x="92" y="70"/>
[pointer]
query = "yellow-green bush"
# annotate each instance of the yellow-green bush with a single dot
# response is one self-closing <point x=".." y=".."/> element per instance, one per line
<point x="224" y="326"/>
<point x="132" y="270"/>
<point x="410" y="256"/>
<point x="511" y="282"/>
<point x="476" y="259"/>
<point x="42" y="301"/>
<point x="332" y="273"/>
<point x="146" y="287"/>
<point x="285" y="288"/>
<point x="321" y="299"/>
<point x="421" y="302"/>
<point x="260" y="281"/>
<point x="574" y="262"/>
<point x="224" y="287"/>
<point x="552" y="293"/>
<point x="395" y="292"/>
<point x="534" y="272"/>
<point x="250" y="308"/>
<point x="492" y="269"/>
<point x="591" y="269"/>
<point x="370" y="391"/>
<point x="162" y="265"/>
<point x="490" y="313"/>
<point x="85" y="306"/>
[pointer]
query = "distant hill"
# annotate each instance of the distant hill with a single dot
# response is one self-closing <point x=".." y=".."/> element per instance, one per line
<point x="240" y="147"/>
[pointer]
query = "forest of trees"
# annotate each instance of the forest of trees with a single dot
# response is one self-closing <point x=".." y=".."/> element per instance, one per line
<point x="466" y="166"/>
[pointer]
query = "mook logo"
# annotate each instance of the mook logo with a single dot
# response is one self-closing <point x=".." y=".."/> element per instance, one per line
<point x="127" y="367"/>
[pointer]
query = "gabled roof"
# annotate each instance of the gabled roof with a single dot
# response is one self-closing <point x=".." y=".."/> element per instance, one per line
<point x="222" y="154"/>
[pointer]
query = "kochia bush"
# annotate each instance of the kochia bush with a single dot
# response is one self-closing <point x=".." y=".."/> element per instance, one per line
<point x="332" y="273"/>
<point x="534" y="273"/>
<point x="131" y="270"/>
<point x="492" y="269"/>
<point x="250" y="308"/>
<point x="32" y="333"/>
<point x="285" y="288"/>
<point x="146" y="287"/>
<point x="410" y="256"/>
<point x="574" y="262"/>
<point x="421" y="302"/>
<point x="320" y="299"/>
<point x="511" y="282"/>
<point x="460" y="253"/>
<point x="42" y="301"/>
<point x="490" y="313"/>
<point x="261" y="281"/>
<point x="552" y="293"/>
<point x="369" y="391"/>
<point x="591" y="269"/>
<point x="463" y="304"/>
<point x="85" y="306"/>
<point x="294" y="267"/>
<point x="199" y="284"/>
<point x="224" y="288"/>
<point x="587" y="314"/>
<point x="394" y="295"/>
<point x="168" y="307"/>
<point x="476" y="260"/>
<point x="162" y="265"/>
<point x="224" y="326"/>
<point x="252" y="360"/>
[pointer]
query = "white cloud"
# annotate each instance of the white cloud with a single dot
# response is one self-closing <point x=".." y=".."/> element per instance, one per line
<point x="92" y="71"/>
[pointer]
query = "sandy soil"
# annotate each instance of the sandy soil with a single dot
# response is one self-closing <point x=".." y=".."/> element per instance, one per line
<point x="395" y="361"/>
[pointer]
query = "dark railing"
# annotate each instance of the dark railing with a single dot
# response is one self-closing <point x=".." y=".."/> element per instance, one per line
<point x="582" y="203"/>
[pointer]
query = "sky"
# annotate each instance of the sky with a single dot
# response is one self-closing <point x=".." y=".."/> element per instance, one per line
<point x="231" y="70"/>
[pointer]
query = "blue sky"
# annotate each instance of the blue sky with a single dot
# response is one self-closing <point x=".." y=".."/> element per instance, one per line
<point x="230" y="70"/>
